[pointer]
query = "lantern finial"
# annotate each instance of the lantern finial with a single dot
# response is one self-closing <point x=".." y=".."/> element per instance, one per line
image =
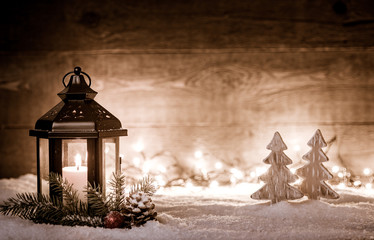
<point x="77" y="71"/>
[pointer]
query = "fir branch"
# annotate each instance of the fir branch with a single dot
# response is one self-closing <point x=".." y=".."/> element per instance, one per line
<point x="71" y="201"/>
<point x="78" y="220"/>
<point x="36" y="207"/>
<point x="49" y="213"/>
<point x="145" y="185"/>
<point x="98" y="205"/>
<point x="117" y="198"/>
<point x="24" y="205"/>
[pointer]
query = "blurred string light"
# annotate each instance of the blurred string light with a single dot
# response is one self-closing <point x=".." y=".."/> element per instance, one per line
<point x="214" y="184"/>
<point x="367" y="171"/>
<point x="357" y="183"/>
<point x="218" y="165"/>
<point x="335" y="169"/>
<point x="198" y="154"/>
<point x="296" y="147"/>
<point x="214" y="173"/>
<point x="138" y="146"/>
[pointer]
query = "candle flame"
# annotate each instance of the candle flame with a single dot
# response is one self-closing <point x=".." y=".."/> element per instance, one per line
<point x="78" y="161"/>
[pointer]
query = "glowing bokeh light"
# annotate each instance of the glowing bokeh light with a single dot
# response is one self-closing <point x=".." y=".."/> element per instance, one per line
<point x="214" y="184"/>
<point x="139" y="146"/>
<point x="198" y="154"/>
<point x="161" y="168"/>
<point x="146" y="167"/>
<point x="367" y="171"/>
<point x="357" y="183"/>
<point x="237" y="173"/>
<point x="296" y="147"/>
<point x="136" y="161"/>
<point x="218" y="165"/>
<point x="335" y="169"/>
<point x="260" y="171"/>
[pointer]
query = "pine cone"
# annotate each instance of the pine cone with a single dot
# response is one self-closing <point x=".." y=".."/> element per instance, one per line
<point x="140" y="208"/>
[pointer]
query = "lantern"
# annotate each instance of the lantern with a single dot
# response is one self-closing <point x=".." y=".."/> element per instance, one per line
<point x="78" y="138"/>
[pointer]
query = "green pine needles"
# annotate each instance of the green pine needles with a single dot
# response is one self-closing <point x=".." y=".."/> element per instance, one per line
<point x="71" y="211"/>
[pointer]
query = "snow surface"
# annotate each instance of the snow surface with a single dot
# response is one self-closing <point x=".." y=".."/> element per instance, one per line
<point x="216" y="213"/>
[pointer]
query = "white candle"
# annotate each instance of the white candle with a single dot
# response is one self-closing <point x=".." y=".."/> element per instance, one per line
<point x="77" y="175"/>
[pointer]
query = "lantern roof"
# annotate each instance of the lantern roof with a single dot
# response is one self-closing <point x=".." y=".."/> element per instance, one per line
<point x="78" y="115"/>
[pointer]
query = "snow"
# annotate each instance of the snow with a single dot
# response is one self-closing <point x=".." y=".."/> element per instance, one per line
<point x="216" y="213"/>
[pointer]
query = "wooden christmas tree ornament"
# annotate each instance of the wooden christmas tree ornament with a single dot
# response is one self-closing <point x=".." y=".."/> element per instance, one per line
<point x="313" y="173"/>
<point x="278" y="176"/>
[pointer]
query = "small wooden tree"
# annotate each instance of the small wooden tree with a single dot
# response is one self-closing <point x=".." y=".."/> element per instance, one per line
<point x="314" y="172"/>
<point x="278" y="175"/>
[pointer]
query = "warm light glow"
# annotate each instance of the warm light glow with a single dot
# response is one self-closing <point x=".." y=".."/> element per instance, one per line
<point x="161" y="169"/>
<point x="160" y="181"/>
<point x="146" y="167"/>
<point x="189" y="185"/>
<point x="357" y="183"/>
<point x="237" y="173"/>
<point x="367" y="171"/>
<point x="198" y="154"/>
<point x="136" y="161"/>
<point x="232" y="179"/>
<point x="106" y="150"/>
<point x="214" y="184"/>
<point x="204" y="172"/>
<point x="209" y="172"/>
<point x="296" y="147"/>
<point x="78" y="160"/>
<point x="218" y="165"/>
<point x="335" y="169"/>
<point x="199" y="164"/>
<point x="139" y="146"/>
<point x="260" y="171"/>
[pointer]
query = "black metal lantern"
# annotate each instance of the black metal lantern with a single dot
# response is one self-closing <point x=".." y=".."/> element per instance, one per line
<point x="78" y="138"/>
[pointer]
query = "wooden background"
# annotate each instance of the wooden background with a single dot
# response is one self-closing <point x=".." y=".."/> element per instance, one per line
<point x="216" y="76"/>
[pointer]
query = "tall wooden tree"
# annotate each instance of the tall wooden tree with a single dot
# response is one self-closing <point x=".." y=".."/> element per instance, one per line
<point x="313" y="173"/>
<point x="278" y="176"/>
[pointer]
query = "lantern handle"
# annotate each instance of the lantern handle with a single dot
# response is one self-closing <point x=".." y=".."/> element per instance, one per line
<point x="77" y="71"/>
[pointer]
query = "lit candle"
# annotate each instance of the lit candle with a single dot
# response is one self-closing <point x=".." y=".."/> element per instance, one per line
<point x="77" y="175"/>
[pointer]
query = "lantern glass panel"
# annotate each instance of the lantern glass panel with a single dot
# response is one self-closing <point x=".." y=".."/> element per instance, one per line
<point x="74" y="164"/>
<point x="44" y="165"/>
<point x="109" y="150"/>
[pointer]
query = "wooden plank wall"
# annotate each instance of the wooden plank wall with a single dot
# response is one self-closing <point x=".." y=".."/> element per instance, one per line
<point x="216" y="76"/>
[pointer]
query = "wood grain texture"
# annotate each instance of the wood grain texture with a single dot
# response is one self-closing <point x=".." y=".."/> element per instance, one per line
<point x="167" y="24"/>
<point x="216" y="76"/>
<point x="225" y="104"/>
